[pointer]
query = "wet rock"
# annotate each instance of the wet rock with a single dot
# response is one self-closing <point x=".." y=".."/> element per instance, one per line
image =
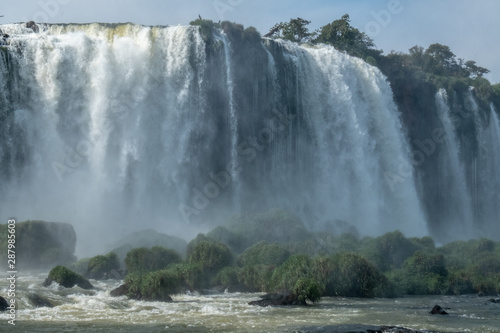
<point x="67" y="278"/>
<point x="277" y="300"/>
<point x="120" y="291"/>
<point x="493" y="300"/>
<point x="353" y="328"/>
<point x="39" y="301"/>
<point x="3" y="304"/>
<point x="32" y="25"/>
<point x="124" y="290"/>
<point x="438" y="310"/>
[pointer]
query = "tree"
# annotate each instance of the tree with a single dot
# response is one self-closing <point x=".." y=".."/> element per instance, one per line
<point x="474" y="70"/>
<point x="295" y="30"/>
<point x="440" y="60"/>
<point x="344" y="37"/>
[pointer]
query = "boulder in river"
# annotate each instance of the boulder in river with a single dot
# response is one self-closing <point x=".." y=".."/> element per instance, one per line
<point x="277" y="300"/>
<point x="67" y="278"/>
<point x="3" y="304"/>
<point x="438" y="310"/>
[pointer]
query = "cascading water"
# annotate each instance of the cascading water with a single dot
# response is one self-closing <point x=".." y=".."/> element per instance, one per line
<point x="457" y="202"/>
<point x="120" y="127"/>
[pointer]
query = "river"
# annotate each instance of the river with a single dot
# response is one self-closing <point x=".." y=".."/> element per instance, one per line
<point x="78" y="310"/>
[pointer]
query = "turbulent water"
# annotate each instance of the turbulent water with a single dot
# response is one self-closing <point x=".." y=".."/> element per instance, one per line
<point x="78" y="310"/>
<point x="120" y="127"/>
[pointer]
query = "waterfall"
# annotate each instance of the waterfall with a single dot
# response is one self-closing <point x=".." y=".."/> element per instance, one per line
<point x="121" y="127"/>
<point x="456" y="206"/>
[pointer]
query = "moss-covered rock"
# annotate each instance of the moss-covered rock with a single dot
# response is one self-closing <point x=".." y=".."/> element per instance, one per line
<point x="149" y="260"/>
<point x="100" y="265"/>
<point x="67" y="278"/>
<point x="44" y="244"/>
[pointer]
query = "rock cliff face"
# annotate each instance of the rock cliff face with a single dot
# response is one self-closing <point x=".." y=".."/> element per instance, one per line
<point x="40" y="244"/>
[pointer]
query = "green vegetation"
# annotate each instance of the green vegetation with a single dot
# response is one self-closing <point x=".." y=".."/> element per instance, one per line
<point x="68" y="279"/>
<point x="283" y="257"/>
<point x="149" y="260"/>
<point x="99" y="265"/>
<point x="211" y="256"/>
<point x="264" y="253"/>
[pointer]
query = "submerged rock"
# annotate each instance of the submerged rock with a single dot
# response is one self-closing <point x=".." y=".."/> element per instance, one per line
<point x="438" y="310"/>
<point x="3" y="304"/>
<point x="39" y="301"/>
<point x="353" y="328"/>
<point x="67" y="278"/>
<point x="277" y="300"/>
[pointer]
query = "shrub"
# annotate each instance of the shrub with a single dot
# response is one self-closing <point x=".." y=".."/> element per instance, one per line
<point x="264" y="253"/>
<point x="422" y="274"/>
<point x="99" y="265"/>
<point x="149" y="260"/>
<point x="293" y="269"/>
<point x="349" y="274"/>
<point x="211" y="256"/>
<point x="228" y="276"/>
<point x="308" y="288"/>
<point x="390" y="250"/>
<point x="159" y="285"/>
<point x="256" y="278"/>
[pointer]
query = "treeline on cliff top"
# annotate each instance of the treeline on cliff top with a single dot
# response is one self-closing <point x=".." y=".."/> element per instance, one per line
<point x="436" y="64"/>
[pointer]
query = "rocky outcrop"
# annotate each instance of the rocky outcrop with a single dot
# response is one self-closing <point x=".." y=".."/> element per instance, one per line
<point x="278" y="300"/>
<point x="67" y="278"/>
<point x="438" y="310"/>
<point x="32" y="25"/>
<point x="44" y="244"/>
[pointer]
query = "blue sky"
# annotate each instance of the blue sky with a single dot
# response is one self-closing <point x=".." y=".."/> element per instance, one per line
<point x="470" y="28"/>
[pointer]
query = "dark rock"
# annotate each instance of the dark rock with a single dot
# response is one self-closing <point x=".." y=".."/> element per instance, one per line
<point x="67" y="278"/>
<point x="353" y="328"/>
<point x="277" y="300"/>
<point x="3" y="304"/>
<point x="39" y="301"/>
<point x="493" y="300"/>
<point x="438" y="310"/>
<point x="47" y="282"/>
<point x="32" y="25"/>
<point x="124" y="290"/>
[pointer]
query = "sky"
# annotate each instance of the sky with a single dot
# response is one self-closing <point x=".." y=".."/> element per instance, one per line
<point x="470" y="27"/>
